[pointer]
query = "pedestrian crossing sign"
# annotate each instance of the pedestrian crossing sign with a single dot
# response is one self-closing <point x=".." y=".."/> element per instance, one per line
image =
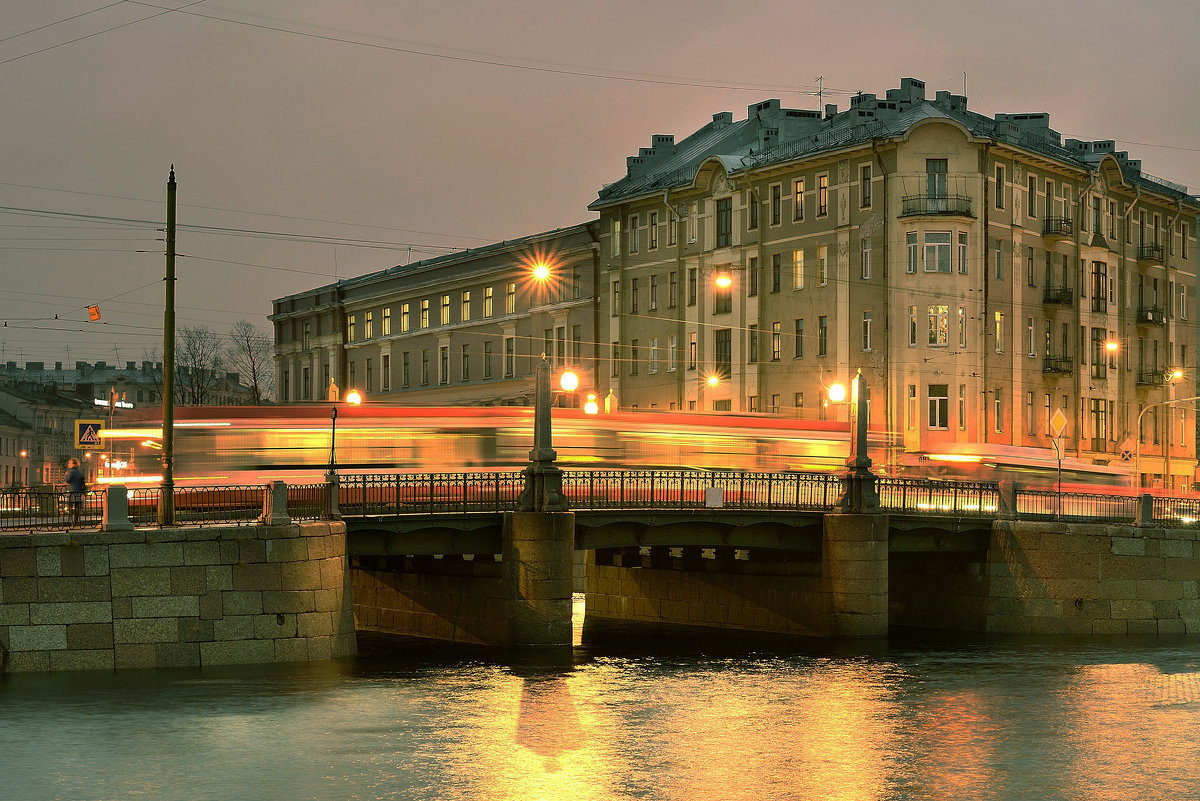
<point x="87" y="434"/>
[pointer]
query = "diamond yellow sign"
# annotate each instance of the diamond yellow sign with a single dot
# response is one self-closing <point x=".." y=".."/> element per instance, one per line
<point x="1058" y="423"/>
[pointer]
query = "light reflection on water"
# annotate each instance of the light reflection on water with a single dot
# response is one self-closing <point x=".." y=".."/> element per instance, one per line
<point x="655" y="717"/>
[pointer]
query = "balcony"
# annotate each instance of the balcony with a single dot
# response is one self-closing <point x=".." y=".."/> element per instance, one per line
<point x="937" y="206"/>
<point x="1058" y="228"/>
<point x="1100" y="304"/>
<point x="1150" y="315"/>
<point x="1151" y="378"/>
<point x="1150" y="254"/>
<point x="1060" y="365"/>
<point x="1061" y="295"/>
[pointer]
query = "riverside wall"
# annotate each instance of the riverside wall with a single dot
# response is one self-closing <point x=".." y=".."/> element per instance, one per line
<point x="176" y="597"/>
<point x="1056" y="578"/>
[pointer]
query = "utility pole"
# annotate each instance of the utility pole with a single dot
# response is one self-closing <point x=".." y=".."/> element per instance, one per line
<point x="166" y="501"/>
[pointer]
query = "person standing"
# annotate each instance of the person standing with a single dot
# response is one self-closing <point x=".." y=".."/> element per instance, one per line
<point x="77" y="487"/>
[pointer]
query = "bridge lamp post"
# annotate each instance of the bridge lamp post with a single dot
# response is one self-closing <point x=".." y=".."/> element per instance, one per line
<point x="1137" y="450"/>
<point x="543" y="478"/>
<point x="354" y="398"/>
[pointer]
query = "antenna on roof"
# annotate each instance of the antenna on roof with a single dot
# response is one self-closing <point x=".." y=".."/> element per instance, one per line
<point x="820" y="79"/>
<point x="964" y="83"/>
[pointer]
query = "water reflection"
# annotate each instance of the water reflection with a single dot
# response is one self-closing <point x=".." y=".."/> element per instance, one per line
<point x="654" y="720"/>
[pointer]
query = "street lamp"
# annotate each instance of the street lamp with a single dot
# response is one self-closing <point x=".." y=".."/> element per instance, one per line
<point x="354" y="398"/>
<point x="1137" y="450"/>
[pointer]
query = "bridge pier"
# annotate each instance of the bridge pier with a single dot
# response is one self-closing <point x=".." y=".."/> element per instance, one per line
<point x="854" y="567"/>
<point x="539" y="551"/>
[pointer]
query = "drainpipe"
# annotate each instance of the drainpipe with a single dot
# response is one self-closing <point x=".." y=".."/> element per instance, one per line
<point x="1077" y="414"/>
<point x="983" y="249"/>
<point x="1125" y="234"/>
<point x="889" y="384"/>
<point x="594" y="233"/>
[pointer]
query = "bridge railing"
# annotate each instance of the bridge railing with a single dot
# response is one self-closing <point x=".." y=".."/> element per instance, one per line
<point x="971" y="498"/>
<point x="407" y="493"/>
<point x="689" y="489"/>
<point x="1080" y="507"/>
<point x="49" y="508"/>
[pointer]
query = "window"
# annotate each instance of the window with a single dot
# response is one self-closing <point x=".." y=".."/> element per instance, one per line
<point x="307" y="334"/>
<point x="672" y="353"/>
<point x="487" y="359"/>
<point x="466" y="363"/>
<point x="576" y="344"/>
<point x="999" y="331"/>
<point x="654" y="230"/>
<point x="723" y="351"/>
<point x="999" y="186"/>
<point x="510" y="299"/>
<point x="385" y="368"/>
<point x="962" y="407"/>
<point x="404" y="369"/>
<point x="424" y="368"/>
<point x="939" y="406"/>
<point x="691" y="279"/>
<point x="576" y="286"/>
<point x="797" y="269"/>
<point x="465" y="308"/>
<point x="306" y="383"/>
<point x="937" y="251"/>
<point x="866" y="330"/>
<point x="445" y="310"/>
<point x="560" y="345"/>
<point x="724" y="222"/>
<point x="935" y="183"/>
<point x="1096" y="214"/>
<point x="722" y="299"/>
<point x="1031" y="196"/>
<point x="653" y="293"/>
<point x="865" y="259"/>
<point x="776" y="340"/>
<point x="938" y="325"/>
<point x="615" y="304"/>
<point x="999" y="259"/>
<point x="633" y="296"/>
<point x="387" y="321"/>
<point x="910" y="411"/>
<point x="1029" y="265"/>
<point x="999" y="395"/>
<point x="752" y="354"/>
<point x="822" y="336"/>
<point x="962" y="327"/>
<point x="822" y="195"/>
<point x="351" y="321"/>
<point x="752" y="271"/>
<point x="752" y="209"/>
<point x="799" y="338"/>
<point x="510" y="357"/>
<point x="616" y="358"/>
<point x="1030" y="347"/>
<point x="633" y="234"/>
<point x="444" y="364"/>
<point x="798" y="199"/>
<point x="776" y="271"/>
<point x="752" y="403"/>
<point x="798" y="400"/>
<point x="616" y="238"/>
<point x="369" y="325"/>
<point x="488" y="306"/>
<point x="672" y="229"/>
<point x="425" y="313"/>
<point x="913" y="252"/>
<point x="672" y="290"/>
<point x="864" y="186"/>
<point x="654" y="355"/>
<point x="912" y="325"/>
<point x="1030" y="417"/>
<point x="776" y="204"/>
<point x="691" y="363"/>
<point x="548" y="343"/>
<point x="822" y="265"/>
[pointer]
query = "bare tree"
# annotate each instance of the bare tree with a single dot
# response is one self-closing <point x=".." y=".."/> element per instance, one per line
<point x="199" y="361"/>
<point x="250" y="354"/>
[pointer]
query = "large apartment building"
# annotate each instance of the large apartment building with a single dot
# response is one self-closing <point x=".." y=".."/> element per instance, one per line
<point x="467" y="328"/>
<point x="995" y="285"/>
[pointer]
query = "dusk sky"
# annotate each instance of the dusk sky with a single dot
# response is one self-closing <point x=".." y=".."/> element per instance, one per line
<point x="329" y="140"/>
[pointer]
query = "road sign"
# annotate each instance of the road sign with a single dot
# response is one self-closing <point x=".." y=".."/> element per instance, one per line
<point x="1058" y="423"/>
<point x="87" y="434"/>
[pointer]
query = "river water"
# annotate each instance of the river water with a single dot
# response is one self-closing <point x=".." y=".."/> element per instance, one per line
<point x="632" y="713"/>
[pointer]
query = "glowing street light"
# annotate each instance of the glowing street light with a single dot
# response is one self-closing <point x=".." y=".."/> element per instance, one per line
<point x="354" y="397"/>
<point x="591" y="407"/>
<point x="837" y="393"/>
<point x="568" y="381"/>
<point x="541" y="271"/>
<point x="724" y="281"/>
<point x="1111" y="346"/>
<point x="713" y="380"/>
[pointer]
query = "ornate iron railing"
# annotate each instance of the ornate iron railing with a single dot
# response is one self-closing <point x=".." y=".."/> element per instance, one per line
<point x="1058" y="226"/>
<point x="914" y="205"/>
<point x="1058" y="294"/>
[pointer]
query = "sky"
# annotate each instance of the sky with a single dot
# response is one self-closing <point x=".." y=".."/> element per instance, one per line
<point x="314" y="140"/>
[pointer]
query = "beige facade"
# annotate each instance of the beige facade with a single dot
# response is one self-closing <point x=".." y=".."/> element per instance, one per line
<point x="461" y="329"/>
<point x="973" y="268"/>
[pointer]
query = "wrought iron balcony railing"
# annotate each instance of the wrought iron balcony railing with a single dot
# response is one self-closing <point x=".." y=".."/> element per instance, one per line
<point x="1151" y="378"/>
<point x="1151" y="315"/>
<point x="1062" y="365"/>
<point x="1058" y="226"/>
<point x="1058" y="294"/>
<point x="1150" y="253"/>
<point x="915" y="205"/>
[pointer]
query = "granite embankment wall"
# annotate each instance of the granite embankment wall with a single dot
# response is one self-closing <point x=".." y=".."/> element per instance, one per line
<point x="1056" y="578"/>
<point x="177" y="597"/>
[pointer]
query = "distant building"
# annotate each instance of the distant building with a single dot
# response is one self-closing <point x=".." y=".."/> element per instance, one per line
<point x="974" y="268"/>
<point x="466" y="328"/>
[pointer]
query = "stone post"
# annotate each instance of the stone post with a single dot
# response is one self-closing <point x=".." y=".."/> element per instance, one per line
<point x="275" y="497"/>
<point x="854" y="568"/>
<point x="858" y="482"/>
<point x="1008" y="499"/>
<point x="116" y="508"/>
<point x="1145" y="509"/>
<point x="538" y="551"/>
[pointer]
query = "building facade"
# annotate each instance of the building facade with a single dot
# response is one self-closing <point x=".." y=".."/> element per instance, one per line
<point x="466" y="328"/>
<point x="995" y="285"/>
